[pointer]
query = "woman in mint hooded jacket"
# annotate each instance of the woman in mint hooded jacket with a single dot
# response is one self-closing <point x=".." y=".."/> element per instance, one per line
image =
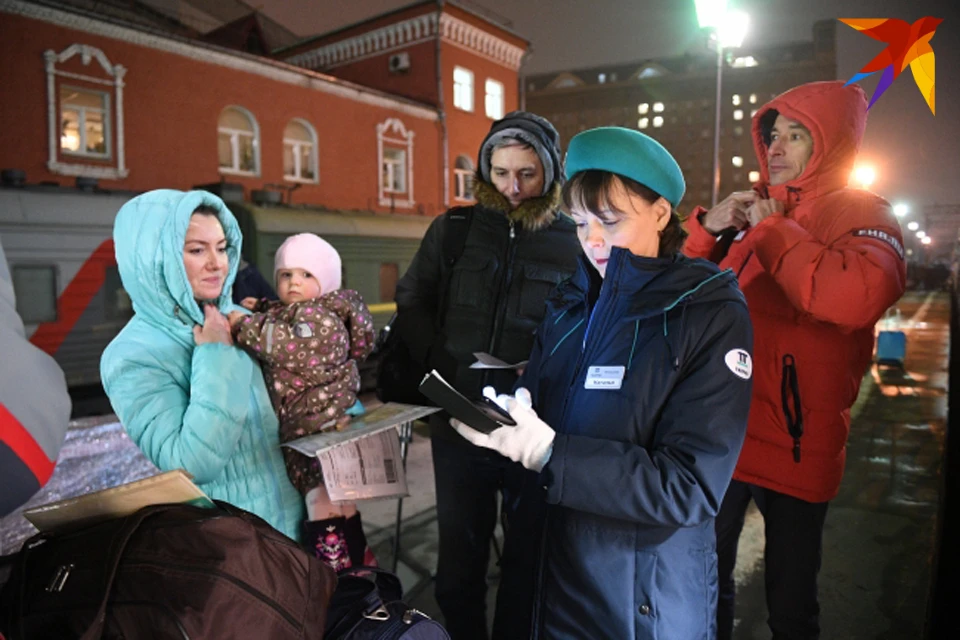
<point x="186" y="396"/>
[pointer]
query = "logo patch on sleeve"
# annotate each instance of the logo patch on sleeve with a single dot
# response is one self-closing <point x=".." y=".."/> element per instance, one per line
<point x="882" y="236"/>
<point x="740" y="362"/>
<point x="302" y="330"/>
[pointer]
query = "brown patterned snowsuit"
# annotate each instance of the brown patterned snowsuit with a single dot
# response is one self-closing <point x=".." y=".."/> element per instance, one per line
<point x="310" y="350"/>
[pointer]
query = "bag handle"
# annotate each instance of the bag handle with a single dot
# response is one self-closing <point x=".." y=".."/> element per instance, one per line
<point x="120" y="541"/>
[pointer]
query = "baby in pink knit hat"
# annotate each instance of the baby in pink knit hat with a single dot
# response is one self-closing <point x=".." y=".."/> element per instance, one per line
<point x="309" y="343"/>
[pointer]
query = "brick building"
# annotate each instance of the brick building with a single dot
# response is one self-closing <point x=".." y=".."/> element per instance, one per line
<point x="384" y="116"/>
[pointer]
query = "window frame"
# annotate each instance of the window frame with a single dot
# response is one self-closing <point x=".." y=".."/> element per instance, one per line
<point x="462" y="178"/>
<point x="296" y="146"/>
<point x="463" y="92"/>
<point x="235" y="134"/>
<point x="54" y="270"/>
<point x="109" y="81"/>
<point x="500" y="97"/>
<point x="392" y="134"/>
<point x="105" y="113"/>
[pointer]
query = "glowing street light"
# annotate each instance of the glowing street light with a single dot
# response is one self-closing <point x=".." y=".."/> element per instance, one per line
<point x="728" y="29"/>
<point x="865" y="176"/>
<point x="913" y="226"/>
<point x="921" y="234"/>
<point x="900" y="209"/>
<point x="926" y="239"/>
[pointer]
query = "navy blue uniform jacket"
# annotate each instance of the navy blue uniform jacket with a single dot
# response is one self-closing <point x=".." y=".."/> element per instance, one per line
<point x="638" y="472"/>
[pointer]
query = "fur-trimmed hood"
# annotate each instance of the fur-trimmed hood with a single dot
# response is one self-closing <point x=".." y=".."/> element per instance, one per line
<point x="533" y="214"/>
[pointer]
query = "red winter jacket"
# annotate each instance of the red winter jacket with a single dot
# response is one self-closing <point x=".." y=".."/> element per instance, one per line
<point x="816" y="279"/>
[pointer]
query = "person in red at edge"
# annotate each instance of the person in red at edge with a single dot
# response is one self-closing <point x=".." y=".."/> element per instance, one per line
<point x="819" y="263"/>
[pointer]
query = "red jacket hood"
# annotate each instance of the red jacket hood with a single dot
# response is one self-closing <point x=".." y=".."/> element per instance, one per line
<point x="836" y="116"/>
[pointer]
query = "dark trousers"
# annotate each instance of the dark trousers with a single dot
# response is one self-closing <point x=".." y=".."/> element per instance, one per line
<point x="794" y="547"/>
<point x="467" y="480"/>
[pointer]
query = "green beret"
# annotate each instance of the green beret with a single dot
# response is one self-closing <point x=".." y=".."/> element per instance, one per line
<point x="627" y="153"/>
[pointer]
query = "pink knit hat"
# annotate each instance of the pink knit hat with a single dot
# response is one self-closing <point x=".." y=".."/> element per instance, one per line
<point x="313" y="254"/>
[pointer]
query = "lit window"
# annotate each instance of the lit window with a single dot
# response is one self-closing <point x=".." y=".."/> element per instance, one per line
<point x="643" y="108"/>
<point x="494" y="100"/>
<point x="299" y="152"/>
<point x="754" y="176"/>
<point x="463" y="178"/>
<point x="613" y="77"/>
<point x="753" y="113"/>
<point x="463" y="88"/>
<point x="658" y="107"/>
<point x="753" y="98"/>
<point x="737" y="161"/>
<point x="84" y="122"/>
<point x="35" y="288"/>
<point x="643" y="123"/>
<point x="658" y="121"/>
<point x="736" y="100"/>
<point x="746" y="61"/>
<point x="738" y="114"/>
<point x="738" y="130"/>
<point x="394" y="170"/>
<point x="237" y="142"/>
<point x="601" y="78"/>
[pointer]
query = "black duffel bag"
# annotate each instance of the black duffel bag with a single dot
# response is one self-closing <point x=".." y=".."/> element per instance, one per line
<point x="167" y="571"/>
<point x="367" y="605"/>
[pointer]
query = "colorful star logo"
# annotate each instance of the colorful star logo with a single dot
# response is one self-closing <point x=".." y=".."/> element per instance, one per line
<point x="908" y="44"/>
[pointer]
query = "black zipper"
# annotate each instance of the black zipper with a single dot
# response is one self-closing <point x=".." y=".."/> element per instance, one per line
<point x="273" y="604"/>
<point x="502" y="295"/>
<point x="162" y="608"/>
<point x="790" y="389"/>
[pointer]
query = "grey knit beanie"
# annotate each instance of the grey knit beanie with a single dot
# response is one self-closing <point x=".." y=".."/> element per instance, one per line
<point x="530" y="129"/>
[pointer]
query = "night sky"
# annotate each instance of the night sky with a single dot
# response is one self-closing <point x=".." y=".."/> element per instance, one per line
<point x="914" y="152"/>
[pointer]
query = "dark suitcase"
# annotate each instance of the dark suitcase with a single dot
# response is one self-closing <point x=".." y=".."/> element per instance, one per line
<point x="167" y="571"/>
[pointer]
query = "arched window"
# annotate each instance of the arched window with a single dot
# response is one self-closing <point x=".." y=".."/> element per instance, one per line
<point x="238" y="142"/>
<point x="300" y="152"/>
<point x="463" y="178"/>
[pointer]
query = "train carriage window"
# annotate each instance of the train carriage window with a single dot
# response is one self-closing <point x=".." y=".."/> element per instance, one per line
<point x="35" y="287"/>
<point x="116" y="303"/>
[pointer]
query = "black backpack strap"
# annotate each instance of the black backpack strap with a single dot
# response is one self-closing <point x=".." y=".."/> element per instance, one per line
<point x="454" y="241"/>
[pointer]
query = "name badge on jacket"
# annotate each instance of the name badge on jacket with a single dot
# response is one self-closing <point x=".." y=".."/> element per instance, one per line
<point x="604" y="377"/>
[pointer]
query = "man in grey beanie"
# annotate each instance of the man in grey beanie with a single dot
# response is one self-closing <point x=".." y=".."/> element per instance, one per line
<point x="517" y="248"/>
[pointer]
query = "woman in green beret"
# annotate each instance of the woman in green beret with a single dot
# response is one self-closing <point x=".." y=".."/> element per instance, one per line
<point x="632" y="410"/>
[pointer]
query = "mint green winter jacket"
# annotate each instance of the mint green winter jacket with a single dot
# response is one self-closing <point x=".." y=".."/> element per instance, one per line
<point x="201" y="408"/>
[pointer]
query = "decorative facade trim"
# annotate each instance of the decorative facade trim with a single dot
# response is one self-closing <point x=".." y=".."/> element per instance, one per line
<point x="395" y="134"/>
<point x="115" y="123"/>
<point x="246" y="63"/>
<point x="407" y="33"/>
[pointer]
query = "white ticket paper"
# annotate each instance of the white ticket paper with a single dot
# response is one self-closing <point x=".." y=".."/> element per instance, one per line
<point x="365" y="468"/>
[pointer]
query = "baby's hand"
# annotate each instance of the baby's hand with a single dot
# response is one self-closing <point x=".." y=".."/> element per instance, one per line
<point x="249" y="303"/>
<point x="236" y="317"/>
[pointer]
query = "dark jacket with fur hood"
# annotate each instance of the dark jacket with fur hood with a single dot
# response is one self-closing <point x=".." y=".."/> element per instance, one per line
<point x="496" y="292"/>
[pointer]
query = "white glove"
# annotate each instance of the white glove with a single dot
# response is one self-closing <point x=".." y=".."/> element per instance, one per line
<point x="530" y="442"/>
<point x="501" y="399"/>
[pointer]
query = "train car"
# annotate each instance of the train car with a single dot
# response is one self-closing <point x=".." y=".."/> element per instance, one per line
<point x="59" y="247"/>
<point x="58" y="243"/>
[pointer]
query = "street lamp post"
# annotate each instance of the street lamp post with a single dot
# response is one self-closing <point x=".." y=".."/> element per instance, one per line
<point x="728" y="29"/>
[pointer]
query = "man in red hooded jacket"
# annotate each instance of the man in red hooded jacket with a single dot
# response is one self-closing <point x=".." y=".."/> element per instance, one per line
<point x="819" y="264"/>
